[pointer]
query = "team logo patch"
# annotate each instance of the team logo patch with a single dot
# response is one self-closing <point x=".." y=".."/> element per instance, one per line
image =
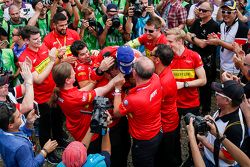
<point x="125" y="102"/>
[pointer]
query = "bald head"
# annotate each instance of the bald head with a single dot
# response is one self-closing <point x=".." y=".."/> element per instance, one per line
<point x="144" y="68"/>
<point x="14" y="13"/>
<point x="13" y="8"/>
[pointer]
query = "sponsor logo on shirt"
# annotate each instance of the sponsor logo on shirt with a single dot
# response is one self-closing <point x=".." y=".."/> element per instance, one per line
<point x="152" y="95"/>
<point x="183" y="73"/>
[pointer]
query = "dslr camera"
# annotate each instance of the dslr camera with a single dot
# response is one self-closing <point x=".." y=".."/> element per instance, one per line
<point x="99" y="122"/>
<point x="200" y="123"/>
<point x="138" y="8"/>
<point x="92" y="22"/>
<point x="116" y="21"/>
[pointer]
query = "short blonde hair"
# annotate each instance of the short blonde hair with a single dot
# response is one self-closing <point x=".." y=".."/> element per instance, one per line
<point x="179" y="33"/>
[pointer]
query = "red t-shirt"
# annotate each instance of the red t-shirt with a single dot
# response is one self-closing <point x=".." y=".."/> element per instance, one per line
<point x="169" y="114"/>
<point x="56" y="40"/>
<point x="151" y="44"/>
<point x="40" y="60"/>
<point x="142" y="105"/>
<point x="183" y="68"/>
<point x="72" y="102"/>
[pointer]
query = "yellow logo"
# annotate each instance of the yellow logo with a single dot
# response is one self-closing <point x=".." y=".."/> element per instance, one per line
<point x="183" y="73"/>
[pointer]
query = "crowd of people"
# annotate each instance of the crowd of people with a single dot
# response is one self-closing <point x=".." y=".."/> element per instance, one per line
<point x="121" y="75"/>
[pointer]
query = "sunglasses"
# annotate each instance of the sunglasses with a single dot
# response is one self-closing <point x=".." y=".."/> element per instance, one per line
<point x="147" y="30"/>
<point x="219" y="94"/>
<point x="203" y="10"/>
<point x="227" y="12"/>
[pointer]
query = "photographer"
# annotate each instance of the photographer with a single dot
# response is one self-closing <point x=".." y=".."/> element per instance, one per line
<point x="236" y="153"/>
<point x="10" y="95"/>
<point x="15" y="147"/>
<point x="139" y="13"/>
<point x="88" y="29"/>
<point x="112" y="31"/>
<point x="229" y="120"/>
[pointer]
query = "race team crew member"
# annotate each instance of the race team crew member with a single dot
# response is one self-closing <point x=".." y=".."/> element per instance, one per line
<point x="188" y="71"/>
<point x="86" y="75"/>
<point x="151" y="38"/>
<point x="144" y="122"/>
<point x="61" y="37"/>
<point x="42" y="61"/>
<point x="74" y="102"/>
<point x="170" y="147"/>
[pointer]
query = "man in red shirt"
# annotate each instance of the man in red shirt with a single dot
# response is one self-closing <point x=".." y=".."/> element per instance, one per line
<point x="188" y="71"/>
<point x="142" y="106"/>
<point x="170" y="147"/>
<point x="61" y="37"/>
<point x="151" y="37"/>
<point x="42" y="62"/>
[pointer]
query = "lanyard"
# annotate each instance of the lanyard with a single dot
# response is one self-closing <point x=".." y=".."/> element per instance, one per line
<point x="64" y="41"/>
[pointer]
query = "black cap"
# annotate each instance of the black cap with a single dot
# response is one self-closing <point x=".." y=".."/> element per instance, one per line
<point x="231" y="89"/>
<point x="4" y="80"/>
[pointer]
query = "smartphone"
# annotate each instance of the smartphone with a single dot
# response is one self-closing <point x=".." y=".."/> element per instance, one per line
<point x="4" y="43"/>
<point x="36" y="108"/>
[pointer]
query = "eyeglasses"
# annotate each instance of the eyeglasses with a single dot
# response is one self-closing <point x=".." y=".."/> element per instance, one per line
<point x="203" y="10"/>
<point x="227" y="12"/>
<point x="147" y="30"/>
<point x="219" y="94"/>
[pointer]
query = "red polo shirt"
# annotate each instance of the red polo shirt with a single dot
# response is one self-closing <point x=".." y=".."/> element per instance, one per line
<point x="183" y="68"/>
<point x="142" y="105"/>
<point x="54" y="39"/>
<point x="40" y="60"/>
<point x="72" y="102"/>
<point x="169" y="114"/>
<point x="151" y="44"/>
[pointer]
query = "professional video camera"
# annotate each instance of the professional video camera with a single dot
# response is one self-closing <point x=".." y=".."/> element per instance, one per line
<point x="116" y="21"/>
<point x="138" y="8"/>
<point x="99" y="122"/>
<point x="5" y="76"/>
<point x="200" y="124"/>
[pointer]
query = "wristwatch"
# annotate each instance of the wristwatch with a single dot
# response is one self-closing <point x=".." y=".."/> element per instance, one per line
<point x="186" y="85"/>
<point x="192" y="37"/>
<point x="118" y="90"/>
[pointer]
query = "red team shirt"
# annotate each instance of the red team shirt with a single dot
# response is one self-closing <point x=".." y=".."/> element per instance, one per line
<point x="142" y="105"/>
<point x="183" y="68"/>
<point x="151" y="44"/>
<point x="169" y="114"/>
<point x="55" y="40"/>
<point x="72" y="102"/>
<point x="40" y="60"/>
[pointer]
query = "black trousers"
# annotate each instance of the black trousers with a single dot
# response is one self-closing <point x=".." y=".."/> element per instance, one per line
<point x="184" y="111"/>
<point x="169" y="153"/>
<point x="144" y="151"/>
<point x="205" y="98"/>
<point x="50" y="124"/>
<point x="120" y="143"/>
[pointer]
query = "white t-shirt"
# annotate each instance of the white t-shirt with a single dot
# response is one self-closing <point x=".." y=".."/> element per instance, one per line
<point x="26" y="12"/>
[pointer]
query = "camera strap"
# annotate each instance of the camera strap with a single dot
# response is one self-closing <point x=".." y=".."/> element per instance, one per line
<point x="217" y="143"/>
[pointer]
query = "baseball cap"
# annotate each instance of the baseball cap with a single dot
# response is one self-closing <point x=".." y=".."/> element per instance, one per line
<point x="231" y="89"/>
<point x="75" y="154"/>
<point x="231" y="4"/>
<point x="111" y="6"/>
<point x="124" y="59"/>
<point x="4" y="79"/>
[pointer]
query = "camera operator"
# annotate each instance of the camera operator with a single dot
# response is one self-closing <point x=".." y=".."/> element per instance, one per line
<point x="229" y="120"/>
<point x="17" y="92"/>
<point x="76" y="152"/>
<point x="139" y="13"/>
<point x="112" y="30"/>
<point x="15" y="147"/>
<point x="236" y="153"/>
<point x="88" y="30"/>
